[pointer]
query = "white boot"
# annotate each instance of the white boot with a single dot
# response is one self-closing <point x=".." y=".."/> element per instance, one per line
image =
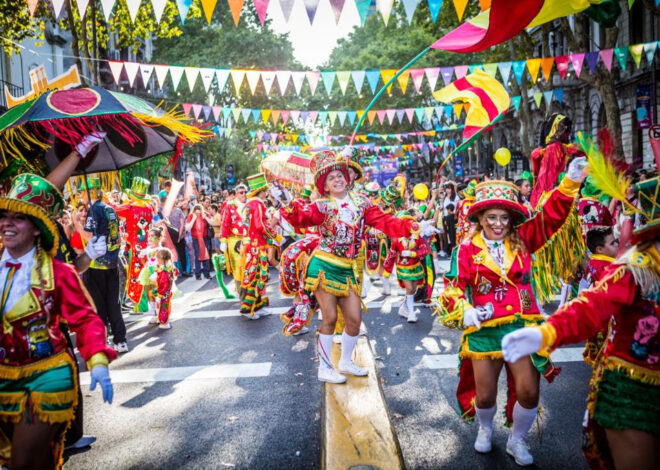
<point x="410" y="306"/>
<point x="387" y="290"/>
<point x="485" y="434"/>
<point x="346" y="364"/>
<point x="330" y="375"/>
<point x="152" y="314"/>
<point x="403" y="311"/>
<point x="327" y="372"/>
<point x="516" y="447"/>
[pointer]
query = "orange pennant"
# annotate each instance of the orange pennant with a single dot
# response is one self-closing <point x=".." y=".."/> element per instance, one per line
<point x="485" y="4"/>
<point x="276" y="115"/>
<point x="546" y="67"/>
<point x="208" y="6"/>
<point x="533" y="68"/>
<point x="236" y="6"/>
<point x="371" y="115"/>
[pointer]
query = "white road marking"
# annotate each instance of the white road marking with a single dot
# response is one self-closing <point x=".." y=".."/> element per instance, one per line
<point x="450" y="361"/>
<point x="177" y="374"/>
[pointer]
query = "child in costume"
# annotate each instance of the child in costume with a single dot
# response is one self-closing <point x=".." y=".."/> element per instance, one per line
<point x="492" y="295"/>
<point x="463" y="225"/>
<point x="406" y="253"/>
<point x="148" y="260"/>
<point x="164" y="275"/>
<point x="39" y="383"/>
<point x="332" y="272"/>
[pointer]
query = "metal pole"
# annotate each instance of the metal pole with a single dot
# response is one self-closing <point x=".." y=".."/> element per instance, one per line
<point x="95" y="72"/>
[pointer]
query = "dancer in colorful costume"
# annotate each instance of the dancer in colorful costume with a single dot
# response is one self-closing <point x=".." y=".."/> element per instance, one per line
<point x="39" y="386"/>
<point x="138" y="215"/>
<point x="255" y="247"/>
<point x="406" y="253"/>
<point x="233" y="232"/>
<point x="463" y="225"/>
<point x="332" y="272"/>
<point x="592" y="208"/>
<point x="492" y="295"/>
<point x="623" y="426"/>
<point x="550" y="158"/>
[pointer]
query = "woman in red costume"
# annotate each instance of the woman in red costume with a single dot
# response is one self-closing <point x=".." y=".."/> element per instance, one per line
<point x="492" y="295"/>
<point x="333" y="273"/>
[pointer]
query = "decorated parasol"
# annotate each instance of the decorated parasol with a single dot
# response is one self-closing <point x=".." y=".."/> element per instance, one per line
<point x="38" y="134"/>
<point x="290" y="167"/>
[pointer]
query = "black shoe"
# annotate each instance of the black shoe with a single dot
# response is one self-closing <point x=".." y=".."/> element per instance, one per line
<point x="198" y="276"/>
<point x="208" y="276"/>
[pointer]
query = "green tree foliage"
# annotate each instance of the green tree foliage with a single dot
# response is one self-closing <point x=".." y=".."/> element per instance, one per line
<point x="16" y="24"/>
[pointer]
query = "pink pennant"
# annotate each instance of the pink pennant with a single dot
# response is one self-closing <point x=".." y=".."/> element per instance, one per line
<point x="312" y="116"/>
<point x="261" y="6"/>
<point x="381" y="116"/>
<point x="461" y="71"/>
<point x="562" y="65"/>
<point x="32" y="6"/>
<point x="410" y="112"/>
<point x="432" y="74"/>
<point x="216" y="112"/>
<point x="606" y="56"/>
<point x="285" y="116"/>
<point x="577" y="60"/>
<point x="197" y="108"/>
<point x="186" y="108"/>
<point x="390" y="115"/>
<point x="417" y="78"/>
<point x="313" y="77"/>
<point x="337" y="6"/>
<point x="286" y="6"/>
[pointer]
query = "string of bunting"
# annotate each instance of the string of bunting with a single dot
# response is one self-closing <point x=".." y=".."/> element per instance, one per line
<point x="295" y="80"/>
<point x="361" y="7"/>
<point x="412" y="149"/>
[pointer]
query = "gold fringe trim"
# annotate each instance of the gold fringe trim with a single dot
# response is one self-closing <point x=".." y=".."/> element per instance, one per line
<point x="466" y="353"/>
<point x="556" y="260"/>
<point x="21" y="372"/>
<point x="54" y="398"/>
<point x="13" y="143"/>
<point x="530" y="320"/>
<point x="175" y="121"/>
<point x="634" y="371"/>
<point x="331" y="287"/>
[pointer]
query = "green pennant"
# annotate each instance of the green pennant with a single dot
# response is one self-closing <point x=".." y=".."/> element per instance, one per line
<point x="538" y="96"/>
<point x="636" y="52"/>
<point x="473" y="67"/>
<point x="622" y="55"/>
<point x="516" y="102"/>
<point x="491" y="69"/>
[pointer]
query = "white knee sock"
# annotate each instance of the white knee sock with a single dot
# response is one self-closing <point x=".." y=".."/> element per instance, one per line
<point x="347" y="346"/>
<point x="485" y="416"/>
<point x="152" y="308"/>
<point x="523" y="418"/>
<point x="410" y="303"/>
<point x="324" y="349"/>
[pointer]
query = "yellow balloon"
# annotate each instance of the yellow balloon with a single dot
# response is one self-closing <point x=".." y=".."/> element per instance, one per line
<point x="421" y="191"/>
<point x="502" y="156"/>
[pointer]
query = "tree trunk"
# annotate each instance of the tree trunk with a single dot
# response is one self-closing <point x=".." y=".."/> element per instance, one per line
<point x="75" y="48"/>
<point x="523" y="110"/>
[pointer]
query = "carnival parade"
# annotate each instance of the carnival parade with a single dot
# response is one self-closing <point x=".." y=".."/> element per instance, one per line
<point x="330" y="234"/>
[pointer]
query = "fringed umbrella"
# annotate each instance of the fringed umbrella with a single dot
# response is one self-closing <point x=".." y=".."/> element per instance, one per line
<point x="290" y="167"/>
<point x="39" y="133"/>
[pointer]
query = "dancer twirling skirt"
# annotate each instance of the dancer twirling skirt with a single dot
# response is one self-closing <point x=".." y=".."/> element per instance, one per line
<point x="492" y="295"/>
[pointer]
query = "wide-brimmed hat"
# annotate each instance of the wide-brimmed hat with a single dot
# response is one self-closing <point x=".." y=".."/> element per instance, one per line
<point x="497" y="194"/>
<point x="256" y="184"/>
<point x="648" y="192"/>
<point x="37" y="198"/>
<point x="394" y="192"/>
<point x="323" y="163"/>
<point x="139" y="189"/>
<point x="470" y="190"/>
<point x="352" y="155"/>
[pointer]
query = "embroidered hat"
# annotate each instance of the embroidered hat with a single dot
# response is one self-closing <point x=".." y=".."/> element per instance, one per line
<point x="323" y="163"/>
<point x="648" y="192"/>
<point x="139" y="188"/>
<point x="256" y="183"/>
<point x="37" y="198"/>
<point x="352" y="155"/>
<point x="395" y="191"/>
<point x="497" y="194"/>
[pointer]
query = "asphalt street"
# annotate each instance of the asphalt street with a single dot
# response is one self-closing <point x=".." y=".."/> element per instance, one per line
<point x="220" y="391"/>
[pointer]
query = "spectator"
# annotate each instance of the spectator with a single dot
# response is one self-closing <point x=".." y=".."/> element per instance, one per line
<point x="198" y="226"/>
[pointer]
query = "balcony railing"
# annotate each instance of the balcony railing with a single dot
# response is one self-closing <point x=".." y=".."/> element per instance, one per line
<point x="15" y="90"/>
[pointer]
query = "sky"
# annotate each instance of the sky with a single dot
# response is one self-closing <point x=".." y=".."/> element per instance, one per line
<point x="313" y="44"/>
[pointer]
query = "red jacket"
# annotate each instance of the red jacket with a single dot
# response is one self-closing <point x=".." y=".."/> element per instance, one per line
<point x="255" y="218"/>
<point x="416" y="244"/>
<point x="232" y="222"/>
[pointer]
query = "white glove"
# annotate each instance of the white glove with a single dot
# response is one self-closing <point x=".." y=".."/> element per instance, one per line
<point x="276" y="192"/>
<point x="521" y="343"/>
<point x="575" y="169"/>
<point x="223" y="247"/>
<point x="471" y="318"/>
<point x="427" y="228"/>
<point x="153" y="277"/>
<point x="406" y="253"/>
<point x="89" y="142"/>
<point x="485" y="312"/>
<point x="96" y="247"/>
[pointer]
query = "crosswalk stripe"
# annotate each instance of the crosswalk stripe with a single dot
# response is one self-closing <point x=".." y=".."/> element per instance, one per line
<point x="450" y="361"/>
<point x="177" y="374"/>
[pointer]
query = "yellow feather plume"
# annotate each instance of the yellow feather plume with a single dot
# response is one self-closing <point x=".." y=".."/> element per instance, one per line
<point x="604" y="175"/>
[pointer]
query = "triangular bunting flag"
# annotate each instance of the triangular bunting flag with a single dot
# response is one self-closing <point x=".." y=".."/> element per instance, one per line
<point x="186" y="108"/>
<point x="390" y="115"/>
<point x="286" y="6"/>
<point x="381" y="116"/>
<point x="428" y="111"/>
<point x="237" y="77"/>
<point x="216" y="113"/>
<point x="323" y="115"/>
<point x="622" y="55"/>
<point x="207" y="77"/>
<point x="145" y="71"/>
<point x="161" y="74"/>
<point x="246" y="113"/>
<point x="649" y="49"/>
<point x="518" y="69"/>
<point x="516" y="102"/>
<point x="491" y="69"/>
<point x="419" y="115"/>
<point x="505" y="71"/>
<point x="313" y="77"/>
<point x="157" y="5"/>
<point x="283" y="80"/>
<point x="337" y="7"/>
<point x="606" y="55"/>
<point x="409" y="6"/>
<point x="400" y="113"/>
<point x="538" y="96"/>
<point x="417" y="78"/>
<point x="116" y="68"/>
<point x="261" y="6"/>
<point x="57" y="7"/>
<point x="562" y="65"/>
<point x="592" y="61"/>
<point x="410" y="114"/>
<point x="197" y="109"/>
<point x="403" y="80"/>
<point x="547" y="96"/>
<point x="268" y="78"/>
<point x="546" y="67"/>
<point x="577" y="60"/>
<point x="82" y="8"/>
<point x="363" y="9"/>
<point x="310" y="7"/>
<point x="460" y="8"/>
<point x="473" y="67"/>
<point x="461" y="71"/>
<point x="252" y="79"/>
<point x="371" y="115"/>
<point x="372" y="79"/>
<point x="285" y="116"/>
<point x="636" y="53"/>
<point x="298" y="79"/>
<point x="343" y="77"/>
<point x="328" y="78"/>
<point x="32" y="6"/>
<point x="351" y="117"/>
<point x="208" y="6"/>
<point x="385" y="9"/>
<point x="333" y="115"/>
<point x="458" y="108"/>
<point x="434" y="8"/>
<point x="275" y="114"/>
<point x="295" y="115"/>
<point x="236" y="114"/>
<point x="222" y="75"/>
<point x="176" y="73"/>
<point x="447" y="75"/>
<point x="432" y="74"/>
<point x="533" y="66"/>
<point x="559" y="94"/>
<point x="183" y="6"/>
<point x="358" y="79"/>
<point x="387" y="74"/>
<point x="236" y="6"/>
<point x="191" y="76"/>
<point x="131" y="71"/>
<point x="133" y="8"/>
<point x="265" y="115"/>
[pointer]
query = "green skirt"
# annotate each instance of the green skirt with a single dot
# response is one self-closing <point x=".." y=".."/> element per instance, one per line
<point x="332" y="274"/>
<point x="410" y="273"/>
<point x="625" y="403"/>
